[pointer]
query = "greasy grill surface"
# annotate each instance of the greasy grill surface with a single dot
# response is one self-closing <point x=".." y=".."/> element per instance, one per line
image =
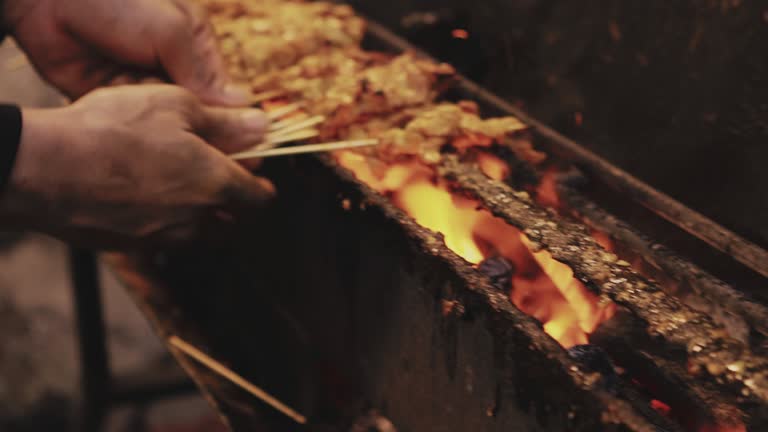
<point x="745" y="319"/>
<point x="679" y="332"/>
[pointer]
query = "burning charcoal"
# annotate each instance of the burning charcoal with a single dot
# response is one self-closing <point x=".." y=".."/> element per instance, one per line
<point x="593" y="359"/>
<point x="499" y="270"/>
<point x="373" y="422"/>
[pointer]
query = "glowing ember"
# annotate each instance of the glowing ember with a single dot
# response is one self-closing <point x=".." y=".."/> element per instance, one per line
<point x="460" y="34"/>
<point x="492" y="166"/>
<point x="603" y="240"/>
<point x="578" y="118"/>
<point x="661" y="407"/>
<point x="541" y="286"/>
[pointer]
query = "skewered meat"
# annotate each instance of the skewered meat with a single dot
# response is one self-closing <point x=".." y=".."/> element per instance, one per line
<point x="345" y="85"/>
<point x="261" y="36"/>
<point x="318" y="71"/>
<point x="427" y="129"/>
<point x="310" y="52"/>
<point x="382" y="89"/>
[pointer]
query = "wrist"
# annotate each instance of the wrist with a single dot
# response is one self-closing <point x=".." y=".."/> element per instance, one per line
<point x="32" y="183"/>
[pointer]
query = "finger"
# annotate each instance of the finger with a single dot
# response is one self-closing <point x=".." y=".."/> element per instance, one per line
<point x="199" y="65"/>
<point x="251" y="164"/>
<point x="77" y="79"/>
<point x="249" y="191"/>
<point x="176" y="234"/>
<point x="230" y="129"/>
<point x="246" y="190"/>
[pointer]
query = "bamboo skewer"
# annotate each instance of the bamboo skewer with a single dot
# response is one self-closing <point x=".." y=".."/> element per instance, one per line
<point x="268" y="145"/>
<point x="236" y="379"/>
<point x="295" y="127"/>
<point x="265" y="96"/>
<point x="274" y="127"/>
<point x="296" y="136"/>
<point x="284" y="111"/>
<point x="309" y="148"/>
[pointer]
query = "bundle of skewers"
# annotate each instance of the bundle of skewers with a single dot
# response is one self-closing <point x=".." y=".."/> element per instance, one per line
<point x="288" y="129"/>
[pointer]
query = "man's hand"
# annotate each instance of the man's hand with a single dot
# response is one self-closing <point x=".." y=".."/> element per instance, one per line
<point x="79" y="45"/>
<point x="142" y="162"/>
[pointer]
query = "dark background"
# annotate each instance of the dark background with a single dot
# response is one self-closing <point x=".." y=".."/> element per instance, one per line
<point x="673" y="91"/>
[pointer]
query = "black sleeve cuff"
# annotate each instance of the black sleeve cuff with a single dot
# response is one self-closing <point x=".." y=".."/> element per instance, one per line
<point x="10" y="138"/>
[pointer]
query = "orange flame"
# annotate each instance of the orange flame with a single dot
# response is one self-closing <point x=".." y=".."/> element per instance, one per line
<point x="541" y="286"/>
<point x="587" y="311"/>
<point x="603" y="240"/>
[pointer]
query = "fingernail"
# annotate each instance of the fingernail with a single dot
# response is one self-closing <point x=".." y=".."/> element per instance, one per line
<point x="254" y="120"/>
<point x="266" y="189"/>
<point x="237" y="94"/>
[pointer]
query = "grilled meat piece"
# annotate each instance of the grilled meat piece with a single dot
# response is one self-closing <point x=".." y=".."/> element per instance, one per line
<point x="426" y="130"/>
<point x="260" y="36"/>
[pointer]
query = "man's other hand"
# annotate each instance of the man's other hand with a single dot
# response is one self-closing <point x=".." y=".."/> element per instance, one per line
<point x="79" y="45"/>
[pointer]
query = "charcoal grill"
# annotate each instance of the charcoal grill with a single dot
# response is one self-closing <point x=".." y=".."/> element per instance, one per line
<point x="340" y="304"/>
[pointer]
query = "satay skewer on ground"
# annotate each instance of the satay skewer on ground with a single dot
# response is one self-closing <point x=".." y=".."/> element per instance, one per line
<point x="234" y="378"/>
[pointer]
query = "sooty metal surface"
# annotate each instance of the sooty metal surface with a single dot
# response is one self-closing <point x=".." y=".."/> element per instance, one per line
<point x="348" y="310"/>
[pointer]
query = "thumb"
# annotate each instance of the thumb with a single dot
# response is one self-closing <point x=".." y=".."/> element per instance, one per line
<point x="190" y="56"/>
<point x="231" y="129"/>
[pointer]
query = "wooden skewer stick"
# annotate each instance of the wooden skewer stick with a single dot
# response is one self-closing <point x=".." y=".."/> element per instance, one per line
<point x="275" y="127"/>
<point x="296" y="126"/>
<point x="222" y="370"/>
<point x="284" y="110"/>
<point x="265" y="80"/>
<point x="267" y="95"/>
<point x="268" y="145"/>
<point x="296" y="136"/>
<point x="310" y="148"/>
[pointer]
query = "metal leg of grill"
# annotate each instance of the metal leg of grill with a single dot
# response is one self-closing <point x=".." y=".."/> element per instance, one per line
<point x="99" y="388"/>
<point x="95" y="376"/>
